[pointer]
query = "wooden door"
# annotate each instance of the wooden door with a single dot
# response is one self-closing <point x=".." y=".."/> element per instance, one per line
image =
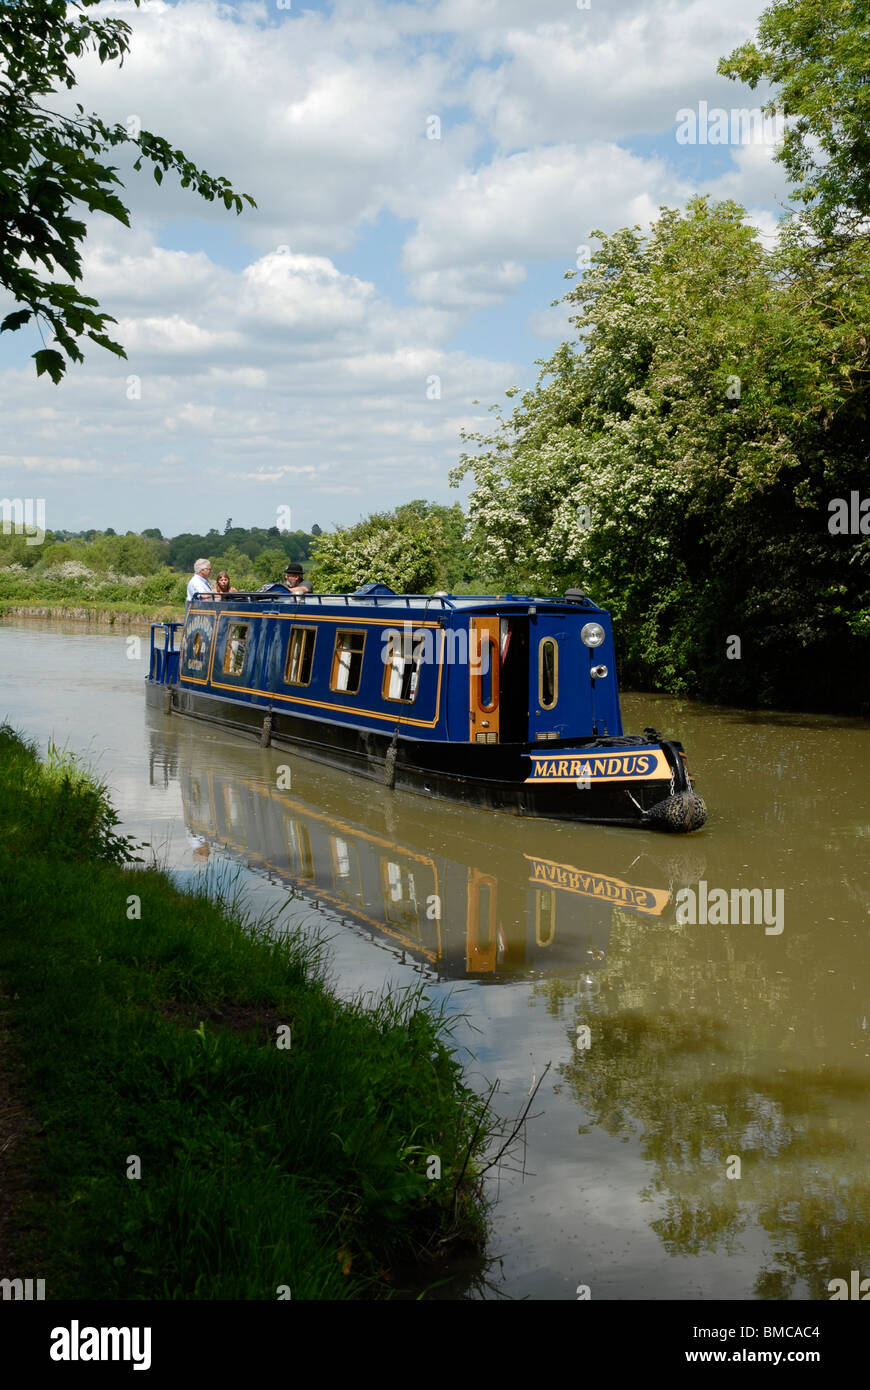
<point x="483" y="676"/>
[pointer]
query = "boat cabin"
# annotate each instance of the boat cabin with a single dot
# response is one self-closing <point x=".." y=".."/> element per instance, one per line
<point x="477" y="669"/>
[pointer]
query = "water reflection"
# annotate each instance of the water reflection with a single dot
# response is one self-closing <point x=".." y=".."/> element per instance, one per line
<point x="423" y="879"/>
<point x="708" y="1054"/>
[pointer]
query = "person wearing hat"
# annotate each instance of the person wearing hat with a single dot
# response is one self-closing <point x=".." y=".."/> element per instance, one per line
<point x="293" y="582"/>
<point x="293" y="579"/>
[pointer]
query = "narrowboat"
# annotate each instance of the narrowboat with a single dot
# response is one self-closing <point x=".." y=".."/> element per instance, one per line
<point x="509" y="703"/>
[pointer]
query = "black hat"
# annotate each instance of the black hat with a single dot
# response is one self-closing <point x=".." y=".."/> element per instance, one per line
<point x="293" y="568"/>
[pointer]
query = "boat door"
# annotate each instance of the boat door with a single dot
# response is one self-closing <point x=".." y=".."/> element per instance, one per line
<point x="560" y="691"/>
<point x="484" y="670"/>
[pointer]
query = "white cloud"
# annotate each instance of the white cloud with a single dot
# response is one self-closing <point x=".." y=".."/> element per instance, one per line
<point x="291" y="350"/>
<point x="607" y="73"/>
<point x="539" y="204"/>
<point x="50" y="465"/>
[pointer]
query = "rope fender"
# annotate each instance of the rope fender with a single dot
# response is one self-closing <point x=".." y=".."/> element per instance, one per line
<point x="680" y="813"/>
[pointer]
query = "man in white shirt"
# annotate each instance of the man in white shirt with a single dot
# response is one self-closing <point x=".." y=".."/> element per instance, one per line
<point x="199" y="583"/>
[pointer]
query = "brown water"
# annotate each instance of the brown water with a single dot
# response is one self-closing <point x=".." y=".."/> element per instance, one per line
<point x="736" y="1046"/>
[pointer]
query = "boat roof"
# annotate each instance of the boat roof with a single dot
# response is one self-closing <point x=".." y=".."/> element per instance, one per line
<point x="382" y="597"/>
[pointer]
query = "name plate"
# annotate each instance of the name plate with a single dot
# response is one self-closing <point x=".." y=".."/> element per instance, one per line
<point x="648" y="766"/>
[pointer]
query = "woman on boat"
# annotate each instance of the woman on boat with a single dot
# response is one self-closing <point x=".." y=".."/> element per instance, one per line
<point x="224" y="587"/>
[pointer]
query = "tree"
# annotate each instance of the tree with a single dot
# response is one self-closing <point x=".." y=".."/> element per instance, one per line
<point x="237" y="565"/>
<point x="407" y="549"/>
<point x="269" y="565"/>
<point x="677" y="462"/>
<point x="50" y="163"/>
<point x="816" y="53"/>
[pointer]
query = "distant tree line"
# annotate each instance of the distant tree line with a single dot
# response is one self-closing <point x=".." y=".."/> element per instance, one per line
<point x="180" y="552"/>
<point x="95" y="566"/>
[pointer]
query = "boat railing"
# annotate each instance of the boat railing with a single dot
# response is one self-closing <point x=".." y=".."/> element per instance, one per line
<point x="165" y="655"/>
<point x="386" y="600"/>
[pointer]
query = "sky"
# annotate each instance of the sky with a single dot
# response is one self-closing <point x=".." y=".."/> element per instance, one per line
<point x="425" y="174"/>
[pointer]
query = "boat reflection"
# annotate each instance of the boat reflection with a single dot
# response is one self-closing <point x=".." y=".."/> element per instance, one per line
<point x="468" y="895"/>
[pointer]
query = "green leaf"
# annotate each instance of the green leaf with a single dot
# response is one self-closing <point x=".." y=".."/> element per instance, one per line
<point x="47" y="360"/>
<point x="108" y="344"/>
<point x="16" y="320"/>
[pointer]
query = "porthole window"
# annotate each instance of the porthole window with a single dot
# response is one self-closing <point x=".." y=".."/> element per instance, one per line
<point x="548" y="673"/>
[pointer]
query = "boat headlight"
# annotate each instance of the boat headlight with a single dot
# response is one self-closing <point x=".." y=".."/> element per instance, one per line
<point x="599" y="672"/>
<point x="592" y="634"/>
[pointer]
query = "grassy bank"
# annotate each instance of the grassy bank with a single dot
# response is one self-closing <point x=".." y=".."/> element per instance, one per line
<point x="72" y="583"/>
<point x="71" y="610"/>
<point x="146" y="1024"/>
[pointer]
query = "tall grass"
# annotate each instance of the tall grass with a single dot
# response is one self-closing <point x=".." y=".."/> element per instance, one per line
<point x="147" y="1021"/>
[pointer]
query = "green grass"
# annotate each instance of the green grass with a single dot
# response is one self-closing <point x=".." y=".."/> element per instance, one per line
<point x="156" y="1035"/>
<point x="155" y="613"/>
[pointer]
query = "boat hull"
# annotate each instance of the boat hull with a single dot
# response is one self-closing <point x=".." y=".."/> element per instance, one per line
<point x="574" y="780"/>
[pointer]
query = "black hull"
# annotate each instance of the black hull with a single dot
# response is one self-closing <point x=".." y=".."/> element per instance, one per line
<point x="489" y="776"/>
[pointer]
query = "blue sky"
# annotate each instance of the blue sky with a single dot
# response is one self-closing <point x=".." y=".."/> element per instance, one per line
<point x="287" y="357"/>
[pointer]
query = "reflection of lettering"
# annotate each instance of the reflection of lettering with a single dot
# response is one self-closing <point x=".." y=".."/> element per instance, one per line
<point x="597" y="886"/>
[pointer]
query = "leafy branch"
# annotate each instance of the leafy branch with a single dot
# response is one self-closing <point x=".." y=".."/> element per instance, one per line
<point x="50" y="162"/>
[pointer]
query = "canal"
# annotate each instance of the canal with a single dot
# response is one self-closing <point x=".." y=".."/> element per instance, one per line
<point x="697" y="1007"/>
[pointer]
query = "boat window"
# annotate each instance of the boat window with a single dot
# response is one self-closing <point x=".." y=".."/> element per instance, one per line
<point x="347" y="662"/>
<point x="300" y="654"/>
<point x="548" y="673"/>
<point x="402" y="661"/>
<point x="234" y="651"/>
<point x="488" y="663"/>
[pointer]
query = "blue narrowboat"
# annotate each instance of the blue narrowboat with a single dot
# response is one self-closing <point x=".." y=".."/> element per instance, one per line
<point x="508" y="703"/>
